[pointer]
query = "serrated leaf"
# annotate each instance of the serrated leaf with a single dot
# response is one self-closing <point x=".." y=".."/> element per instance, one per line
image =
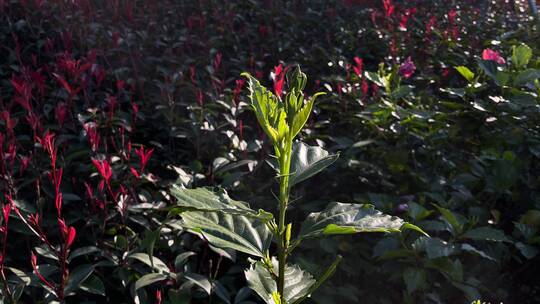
<point x="266" y="106"/>
<point x="297" y="282"/>
<point x="236" y="232"/>
<point x="307" y="161"/>
<point x="340" y="218"/>
<point x="204" y="199"/>
<point x="302" y="116"/>
<point x="148" y="279"/>
<point x="465" y="72"/>
<point x="521" y="55"/>
<point x="486" y="234"/>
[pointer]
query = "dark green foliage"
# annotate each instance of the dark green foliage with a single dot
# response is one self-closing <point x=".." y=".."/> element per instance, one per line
<point x="454" y="148"/>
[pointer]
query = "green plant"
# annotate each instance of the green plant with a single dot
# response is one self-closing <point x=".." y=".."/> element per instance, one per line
<point x="231" y="224"/>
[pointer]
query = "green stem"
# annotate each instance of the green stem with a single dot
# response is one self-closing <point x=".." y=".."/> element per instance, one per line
<point x="285" y="165"/>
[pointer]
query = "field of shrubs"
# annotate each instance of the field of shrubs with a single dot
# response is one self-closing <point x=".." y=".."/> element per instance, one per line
<point x="265" y="151"/>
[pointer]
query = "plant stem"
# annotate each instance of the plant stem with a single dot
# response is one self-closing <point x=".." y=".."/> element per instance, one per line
<point x="285" y="164"/>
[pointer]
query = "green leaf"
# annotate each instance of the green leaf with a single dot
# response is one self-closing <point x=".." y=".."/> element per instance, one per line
<point x="148" y="279"/>
<point x="221" y="291"/>
<point x="454" y="91"/>
<point x="414" y="279"/>
<point x="325" y="276"/>
<point x="450" y="218"/>
<point x="465" y="72"/>
<point x="418" y="212"/>
<point x="526" y="250"/>
<point x="434" y="247"/>
<point x="199" y="280"/>
<point x="17" y="291"/>
<point x="453" y="269"/>
<point x="77" y="276"/>
<point x="526" y="76"/>
<point x="302" y="116"/>
<point x="21" y="275"/>
<point x="179" y="296"/>
<point x="339" y="218"/>
<point x="267" y="107"/>
<point x="486" y="234"/>
<point x="489" y="67"/>
<point x="470" y="248"/>
<point x="149" y="242"/>
<point x="236" y="232"/>
<point x="94" y="285"/>
<point x="181" y="259"/>
<point x="204" y="199"/>
<point x="297" y="282"/>
<point x="521" y="55"/>
<point x="82" y="252"/>
<point x="375" y="78"/>
<point x="401" y="92"/>
<point x="155" y="263"/>
<point x="307" y="161"/>
<point x="502" y="78"/>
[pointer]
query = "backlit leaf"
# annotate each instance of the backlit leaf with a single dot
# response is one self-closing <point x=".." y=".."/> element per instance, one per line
<point x="465" y="72"/>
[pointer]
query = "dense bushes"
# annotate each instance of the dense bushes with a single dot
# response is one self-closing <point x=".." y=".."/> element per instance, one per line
<point x="106" y="104"/>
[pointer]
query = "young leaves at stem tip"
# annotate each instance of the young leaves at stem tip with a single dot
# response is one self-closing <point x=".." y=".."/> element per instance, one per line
<point x="282" y="120"/>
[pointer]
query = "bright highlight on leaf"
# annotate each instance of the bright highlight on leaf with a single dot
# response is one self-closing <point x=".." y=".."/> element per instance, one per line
<point x="297" y="282"/>
<point x="339" y="218"/>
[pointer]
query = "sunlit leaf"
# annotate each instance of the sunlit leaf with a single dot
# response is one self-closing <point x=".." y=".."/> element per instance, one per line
<point x="236" y="232"/>
<point x="199" y="280"/>
<point x="148" y="279"/>
<point x="266" y="106"/>
<point x="205" y="199"/>
<point x="339" y="218"/>
<point x="521" y="55"/>
<point x="297" y="282"/>
<point x="465" y="72"/>
<point x="307" y="161"/>
<point x="302" y="116"/>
